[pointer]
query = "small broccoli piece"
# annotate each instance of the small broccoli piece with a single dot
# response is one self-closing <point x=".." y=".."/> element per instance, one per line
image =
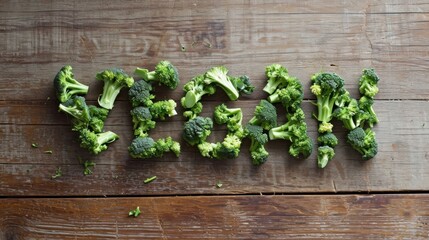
<point x="96" y="142"/>
<point x="142" y="120"/>
<point x="140" y="94"/>
<point x="197" y="130"/>
<point x="295" y="131"/>
<point x="77" y="108"/>
<point x="232" y="117"/>
<point x="343" y="98"/>
<point x="242" y="84"/>
<point x="368" y="83"/>
<point x="193" y="111"/>
<point x="219" y="76"/>
<point x="327" y="87"/>
<point x="265" y="115"/>
<point x="114" y="80"/>
<point x="98" y="116"/>
<point x="347" y="113"/>
<point x="229" y="148"/>
<point x="325" y="127"/>
<point x="66" y="86"/>
<point x="162" y="109"/>
<point x="207" y="149"/>
<point x="277" y="75"/>
<point x="258" y="139"/>
<point x="364" y="142"/>
<point x="195" y="90"/>
<point x="146" y="147"/>
<point x="289" y="96"/>
<point x="324" y="155"/>
<point x="165" y="73"/>
<point x="327" y="139"/>
<point x="365" y="104"/>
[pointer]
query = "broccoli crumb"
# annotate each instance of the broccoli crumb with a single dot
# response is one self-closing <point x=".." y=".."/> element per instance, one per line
<point x="135" y="213"/>
<point x="148" y="180"/>
<point x="58" y="173"/>
<point x="34" y="145"/>
<point x="88" y="165"/>
<point x="219" y="184"/>
<point x="48" y="151"/>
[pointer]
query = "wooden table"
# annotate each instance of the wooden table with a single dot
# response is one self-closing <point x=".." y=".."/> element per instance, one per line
<point x="286" y="198"/>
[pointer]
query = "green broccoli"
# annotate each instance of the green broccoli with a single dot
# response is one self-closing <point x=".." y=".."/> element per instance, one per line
<point x="365" y="104"/>
<point x="242" y="84"/>
<point x="229" y="148"/>
<point x="232" y="117"/>
<point x="277" y="76"/>
<point x="140" y="94"/>
<point x="193" y="111"/>
<point x="142" y="120"/>
<point x="368" y="83"/>
<point x="207" y="149"/>
<point x="290" y="96"/>
<point x="66" y="86"/>
<point x="265" y="115"/>
<point x="165" y="73"/>
<point x="197" y="130"/>
<point x="98" y="117"/>
<point x="295" y="131"/>
<point x="258" y="139"/>
<point x="114" y="80"/>
<point x="146" y="147"/>
<point x="219" y="76"/>
<point x="96" y="142"/>
<point x="77" y="108"/>
<point x="327" y="139"/>
<point x="324" y="155"/>
<point x="195" y="90"/>
<point x="347" y="113"/>
<point x="327" y="87"/>
<point x="364" y="142"/>
<point x="162" y="109"/>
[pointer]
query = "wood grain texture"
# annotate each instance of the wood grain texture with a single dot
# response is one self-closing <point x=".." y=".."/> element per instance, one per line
<point x="242" y="217"/>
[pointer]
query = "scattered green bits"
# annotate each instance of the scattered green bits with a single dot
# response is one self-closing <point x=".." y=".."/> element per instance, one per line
<point x="135" y="213"/>
<point x="219" y="184"/>
<point x="34" y="145"/>
<point x="148" y="180"/>
<point x="58" y="173"/>
<point x="48" y="152"/>
<point x="88" y="165"/>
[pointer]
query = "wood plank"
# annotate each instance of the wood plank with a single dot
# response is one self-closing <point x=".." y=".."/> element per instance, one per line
<point x="24" y="170"/>
<point x="236" y="217"/>
<point x="36" y="40"/>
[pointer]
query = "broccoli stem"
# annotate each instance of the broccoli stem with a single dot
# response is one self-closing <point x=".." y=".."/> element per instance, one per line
<point x="322" y="162"/>
<point x="106" y="137"/>
<point x="190" y="99"/>
<point x="78" y="88"/>
<point x="110" y="92"/>
<point x="145" y="74"/>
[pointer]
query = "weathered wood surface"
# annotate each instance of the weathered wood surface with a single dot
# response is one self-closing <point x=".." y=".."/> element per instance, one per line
<point x="244" y="217"/>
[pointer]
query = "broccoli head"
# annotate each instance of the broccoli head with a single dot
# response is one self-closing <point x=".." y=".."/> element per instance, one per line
<point x="229" y="148"/>
<point x="162" y="109"/>
<point x="347" y="113"/>
<point x="193" y="111"/>
<point x="114" y="80"/>
<point x="195" y="90"/>
<point x="368" y="83"/>
<point x="146" y="147"/>
<point x="165" y="73"/>
<point x="289" y="96"/>
<point x="96" y="142"/>
<point x="140" y="94"/>
<point x="207" y="149"/>
<point x="365" y="104"/>
<point x="219" y="76"/>
<point x="66" y="86"/>
<point x="98" y="117"/>
<point x="142" y="120"/>
<point x="324" y="155"/>
<point x="364" y="142"/>
<point x="265" y="115"/>
<point x="242" y="84"/>
<point x="258" y="139"/>
<point x="327" y="139"/>
<point x="277" y="76"/>
<point x="197" y="130"/>
<point x="232" y="117"/>
<point x="77" y="108"/>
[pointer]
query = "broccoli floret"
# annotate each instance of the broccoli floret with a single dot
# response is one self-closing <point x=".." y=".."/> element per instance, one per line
<point x="265" y="115"/>
<point x="142" y="120"/>
<point x="66" y="86"/>
<point x="365" y="104"/>
<point x="146" y="147"/>
<point x="207" y="149"/>
<point x="258" y="139"/>
<point x="140" y="94"/>
<point x="229" y="148"/>
<point x="343" y="98"/>
<point x="347" y="113"/>
<point x="364" y="142"/>
<point x="162" y="109"/>
<point x="232" y="117"/>
<point x="165" y="73"/>
<point x="327" y="139"/>
<point x="290" y="96"/>
<point x="96" y="142"/>
<point x="327" y="87"/>
<point x="368" y="83"/>
<point x="324" y="155"/>
<point x="277" y="75"/>
<point x="98" y="116"/>
<point x="195" y="90"/>
<point x="197" y="130"/>
<point x="193" y="111"/>
<point x="242" y="84"/>
<point x="114" y="80"/>
<point x="294" y="130"/>
<point x="77" y="108"/>
<point x="219" y="76"/>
